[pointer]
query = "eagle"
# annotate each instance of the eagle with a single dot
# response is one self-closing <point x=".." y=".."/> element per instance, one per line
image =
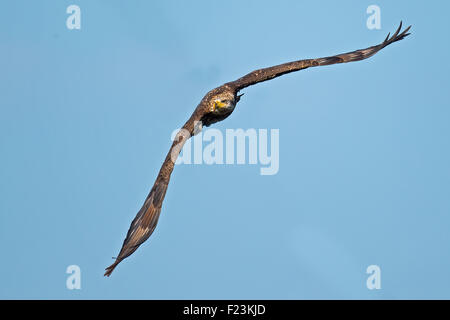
<point x="216" y="106"/>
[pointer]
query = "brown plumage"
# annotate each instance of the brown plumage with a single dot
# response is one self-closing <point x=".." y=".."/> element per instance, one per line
<point x="217" y="105"/>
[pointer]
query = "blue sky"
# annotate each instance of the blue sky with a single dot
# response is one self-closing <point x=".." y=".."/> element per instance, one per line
<point x="85" y="123"/>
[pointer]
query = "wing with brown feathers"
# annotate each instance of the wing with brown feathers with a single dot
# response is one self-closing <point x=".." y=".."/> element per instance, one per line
<point x="146" y="219"/>
<point x="143" y="224"/>
<point x="265" y="74"/>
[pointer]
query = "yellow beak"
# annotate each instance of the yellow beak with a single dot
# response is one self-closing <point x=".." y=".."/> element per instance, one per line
<point x="219" y="104"/>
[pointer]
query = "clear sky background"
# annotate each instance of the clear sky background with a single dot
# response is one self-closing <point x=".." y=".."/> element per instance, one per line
<point x="85" y="123"/>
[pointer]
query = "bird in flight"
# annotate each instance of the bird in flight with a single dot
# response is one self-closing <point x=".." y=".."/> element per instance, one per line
<point x="216" y="106"/>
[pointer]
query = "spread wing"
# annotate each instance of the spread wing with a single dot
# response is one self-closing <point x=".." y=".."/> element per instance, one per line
<point x="146" y="219"/>
<point x="265" y="74"/>
<point x="143" y="224"/>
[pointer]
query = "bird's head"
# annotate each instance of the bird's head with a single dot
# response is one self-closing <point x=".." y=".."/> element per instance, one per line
<point x="224" y="102"/>
<point x="218" y="104"/>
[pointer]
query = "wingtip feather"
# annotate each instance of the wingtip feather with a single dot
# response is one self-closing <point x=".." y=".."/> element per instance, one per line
<point x="111" y="268"/>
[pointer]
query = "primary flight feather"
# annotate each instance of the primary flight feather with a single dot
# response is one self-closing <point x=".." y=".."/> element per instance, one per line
<point x="215" y="106"/>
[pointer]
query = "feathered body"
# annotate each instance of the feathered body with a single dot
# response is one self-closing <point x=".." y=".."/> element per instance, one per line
<point x="216" y="106"/>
